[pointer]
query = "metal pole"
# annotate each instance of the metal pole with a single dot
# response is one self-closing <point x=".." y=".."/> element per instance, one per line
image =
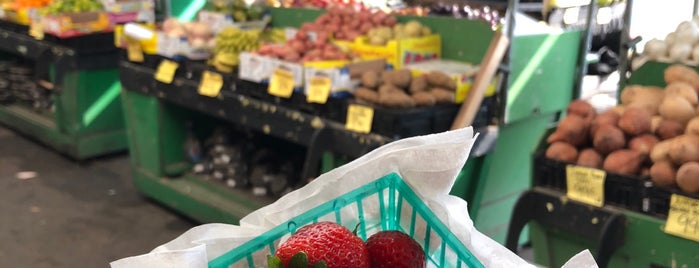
<point x="585" y="46"/>
<point x="510" y="24"/>
<point x="625" y="45"/>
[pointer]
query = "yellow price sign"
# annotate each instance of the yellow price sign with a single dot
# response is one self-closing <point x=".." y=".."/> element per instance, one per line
<point x="319" y="89"/>
<point x="134" y="51"/>
<point x="683" y="217"/>
<point x="211" y="84"/>
<point x="36" y="30"/>
<point x="281" y="84"/>
<point x="359" y="118"/>
<point x="585" y="184"/>
<point x="166" y="71"/>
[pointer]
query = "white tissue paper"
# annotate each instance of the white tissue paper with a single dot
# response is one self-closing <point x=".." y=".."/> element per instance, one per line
<point x="429" y="164"/>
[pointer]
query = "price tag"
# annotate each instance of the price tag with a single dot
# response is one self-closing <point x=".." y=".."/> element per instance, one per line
<point x="211" y="84"/>
<point x="683" y="217"/>
<point x="281" y="84"/>
<point x="585" y="184"/>
<point x="319" y="90"/>
<point x="166" y="71"/>
<point x="359" y="118"/>
<point x="134" y="51"/>
<point x="36" y="30"/>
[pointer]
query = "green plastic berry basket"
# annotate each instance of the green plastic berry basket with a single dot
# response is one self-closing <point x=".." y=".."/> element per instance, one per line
<point x="398" y="208"/>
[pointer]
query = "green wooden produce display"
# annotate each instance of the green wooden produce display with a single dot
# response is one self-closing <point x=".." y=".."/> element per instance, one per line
<point x="88" y="120"/>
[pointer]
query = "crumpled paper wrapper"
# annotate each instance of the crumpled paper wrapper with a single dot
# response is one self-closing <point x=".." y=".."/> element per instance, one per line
<point x="429" y="164"/>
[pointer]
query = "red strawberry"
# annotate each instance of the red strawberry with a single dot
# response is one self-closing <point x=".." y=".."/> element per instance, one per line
<point x="395" y="249"/>
<point x="326" y="242"/>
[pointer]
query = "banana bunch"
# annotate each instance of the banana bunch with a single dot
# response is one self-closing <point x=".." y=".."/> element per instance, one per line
<point x="230" y="42"/>
<point x="72" y="6"/>
<point x="273" y="35"/>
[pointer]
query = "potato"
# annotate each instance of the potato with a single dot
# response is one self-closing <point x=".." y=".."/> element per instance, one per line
<point x="571" y="129"/>
<point x="663" y="174"/>
<point x="645" y="94"/>
<point x="388" y="88"/>
<point x="655" y="123"/>
<point x="651" y="107"/>
<point x="635" y="121"/>
<point x="367" y="95"/>
<point x="370" y="79"/>
<point x="610" y="117"/>
<point x="562" y="151"/>
<point x="688" y="177"/>
<point x="418" y="84"/>
<point x="645" y="171"/>
<point x="401" y="79"/>
<point x="668" y="129"/>
<point x="608" y="138"/>
<point x="440" y="79"/>
<point x="443" y="95"/>
<point x="643" y="144"/>
<point x="684" y="90"/>
<point x="681" y="73"/>
<point x="424" y="98"/>
<point x="590" y="158"/>
<point x="396" y="99"/>
<point x="684" y="149"/>
<point x="675" y="107"/>
<point x="387" y="76"/>
<point x="583" y="109"/>
<point x="626" y="162"/>
<point x="660" y="151"/>
<point x="619" y="109"/>
<point x="693" y="126"/>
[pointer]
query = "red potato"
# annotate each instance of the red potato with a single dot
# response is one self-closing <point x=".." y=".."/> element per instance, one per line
<point x="668" y="129"/>
<point x="562" y="151"/>
<point x="609" y="117"/>
<point x="301" y="35"/>
<point x="571" y="129"/>
<point x="635" y="121"/>
<point x="663" y="174"/>
<point x="583" y="109"/>
<point x="608" y="138"/>
<point x="590" y="158"/>
<point x="643" y="144"/>
<point x="390" y="21"/>
<point x="627" y="162"/>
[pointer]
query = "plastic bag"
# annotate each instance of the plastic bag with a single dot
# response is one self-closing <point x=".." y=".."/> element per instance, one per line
<point x="429" y="164"/>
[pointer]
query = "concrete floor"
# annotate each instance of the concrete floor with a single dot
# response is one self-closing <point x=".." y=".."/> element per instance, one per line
<point x="74" y="215"/>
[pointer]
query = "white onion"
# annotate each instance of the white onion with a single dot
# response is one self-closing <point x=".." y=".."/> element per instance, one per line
<point x="655" y="49"/>
<point x="670" y="39"/>
<point x="689" y="34"/>
<point x="684" y="25"/>
<point x="680" y="52"/>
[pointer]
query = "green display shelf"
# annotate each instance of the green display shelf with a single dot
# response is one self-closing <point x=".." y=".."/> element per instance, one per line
<point x="87" y="120"/>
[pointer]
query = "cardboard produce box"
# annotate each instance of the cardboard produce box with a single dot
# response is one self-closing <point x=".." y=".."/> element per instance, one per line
<point x="400" y="52"/>
<point x="461" y="72"/>
<point x="76" y="24"/>
<point x="123" y="11"/>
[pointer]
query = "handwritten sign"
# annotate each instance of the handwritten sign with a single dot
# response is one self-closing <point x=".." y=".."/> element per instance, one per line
<point x="134" y="51"/>
<point x="211" y="84"/>
<point x="281" y="84"/>
<point x="585" y="185"/>
<point x="166" y="71"/>
<point x="683" y="217"/>
<point x="318" y="90"/>
<point x="359" y="118"/>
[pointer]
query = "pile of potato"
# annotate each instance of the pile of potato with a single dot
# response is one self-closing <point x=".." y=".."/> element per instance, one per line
<point x="344" y="23"/>
<point x="380" y="36"/>
<point x="399" y="89"/>
<point x="653" y="132"/>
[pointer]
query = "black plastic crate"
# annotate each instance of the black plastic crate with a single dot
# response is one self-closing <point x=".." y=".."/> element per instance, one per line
<point x="656" y="200"/>
<point x="86" y="44"/>
<point x="14" y="27"/>
<point x="619" y="190"/>
<point x="297" y="101"/>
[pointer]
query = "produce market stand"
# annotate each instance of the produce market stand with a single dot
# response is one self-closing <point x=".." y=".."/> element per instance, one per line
<point x="204" y="200"/>
<point x="82" y="75"/>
